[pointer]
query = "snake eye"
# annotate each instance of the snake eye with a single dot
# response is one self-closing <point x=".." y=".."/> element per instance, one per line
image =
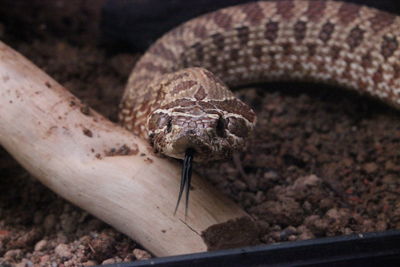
<point x="220" y="129"/>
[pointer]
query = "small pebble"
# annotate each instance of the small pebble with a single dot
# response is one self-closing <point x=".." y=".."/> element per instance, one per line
<point x="109" y="261"/>
<point x="286" y="233"/>
<point x="45" y="259"/>
<point x="63" y="250"/>
<point x="39" y="246"/>
<point x="141" y="254"/>
<point x="13" y="254"/>
<point x="89" y="263"/>
<point x="333" y="214"/>
<point x="347" y="231"/>
<point x="24" y="263"/>
<point x="129" y="258"/>
<point x="306" y="235"/>
<point x="306" y="181"/>
<point x="271" y="175"/>
<point x="370" y="167"/>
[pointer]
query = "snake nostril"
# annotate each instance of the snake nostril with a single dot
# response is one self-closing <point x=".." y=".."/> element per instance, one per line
<point x="169" y="126"/>
<point x="220" y="128"/>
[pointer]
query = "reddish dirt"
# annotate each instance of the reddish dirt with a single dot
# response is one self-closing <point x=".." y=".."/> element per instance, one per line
<point x="322" y="162"/>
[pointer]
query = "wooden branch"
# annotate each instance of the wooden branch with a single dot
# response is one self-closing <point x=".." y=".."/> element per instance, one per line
<point x="99" y="166"/>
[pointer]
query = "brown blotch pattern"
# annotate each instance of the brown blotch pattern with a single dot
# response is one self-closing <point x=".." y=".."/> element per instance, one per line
<point x="346" y="74"/>
<point x="234" y="106"/>
<point x="396" y="71"/>
<point x="285" y="8"/>
<point x="378" y="76"/>
<point x="326" y="32"/>
<point x="253" y="13"/>
<point x="160" y="50"/>
<point x="151" y="67"/>
<point x="243" y="34"/>
<point x="348" y="13"/>
<point x="213" y="27"/>
<point x="218" y="40"/>
<point x="177" y="77"/>
<point x="234" y="54"/>
<point x="389" y="46"/>
<point x="366" y="61"/>
<point x="257" y="51"/>
<point x="181" y="103"/>
<point x="213" y="60"/>
<point x="182" y="86"/>
<point x="213" y="78"/>
<point x="200" y="94"/>
<point x="315" y="9"/>
<point x="271" y="31"/>
<point x="200" y="31"/>
<point x="222" y="20"/>
<point x="198" y="48"/>
<point x="297" y="66"/>
<point x="287" y="48"/>
<point x="312" y="49"/>
<point x="273" y="64"/>
<point x="381" y="20"/>
<point x="177" y="34"/>
<point x="355" y="37"/>
<point x="335" y="52"/>
<point x="299" y="30"/>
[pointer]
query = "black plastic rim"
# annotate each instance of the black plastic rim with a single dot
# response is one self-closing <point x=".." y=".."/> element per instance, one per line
<point x="369" y="249"/>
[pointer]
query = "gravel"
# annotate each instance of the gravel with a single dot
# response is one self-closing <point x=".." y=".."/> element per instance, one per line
<point x="322" y="162"/>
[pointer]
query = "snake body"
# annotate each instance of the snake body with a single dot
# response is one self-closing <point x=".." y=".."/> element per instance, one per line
<point x="177" y="95"/>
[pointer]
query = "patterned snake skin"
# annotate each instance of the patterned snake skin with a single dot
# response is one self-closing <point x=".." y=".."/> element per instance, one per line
<point x="175" y="103"/>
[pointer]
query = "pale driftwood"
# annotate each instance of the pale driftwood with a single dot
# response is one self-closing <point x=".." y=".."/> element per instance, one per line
<point x="49" y="132"/>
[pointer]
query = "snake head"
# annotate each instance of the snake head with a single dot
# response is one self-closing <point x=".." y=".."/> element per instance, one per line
<point x="212" y="133"/>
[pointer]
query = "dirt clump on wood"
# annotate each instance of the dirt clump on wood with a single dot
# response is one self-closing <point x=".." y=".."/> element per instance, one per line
<point x="240" y="232"/>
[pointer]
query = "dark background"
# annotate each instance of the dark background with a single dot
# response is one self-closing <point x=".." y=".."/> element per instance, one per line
<point x="128" y="24"/>
<point x="137" y="24"/>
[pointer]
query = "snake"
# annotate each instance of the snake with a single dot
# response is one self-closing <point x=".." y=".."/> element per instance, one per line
<point x="178" y="94"/>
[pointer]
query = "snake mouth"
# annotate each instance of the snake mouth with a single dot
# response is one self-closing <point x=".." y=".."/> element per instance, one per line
<point x="191" y="143"/>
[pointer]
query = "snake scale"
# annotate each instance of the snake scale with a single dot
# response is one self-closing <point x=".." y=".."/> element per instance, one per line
<point x="178" y="93"/>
